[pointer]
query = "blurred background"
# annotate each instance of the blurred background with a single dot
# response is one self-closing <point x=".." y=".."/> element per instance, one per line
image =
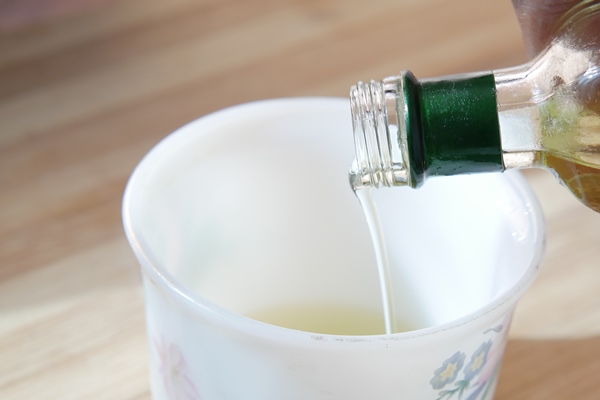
<point x="87" y="87"/>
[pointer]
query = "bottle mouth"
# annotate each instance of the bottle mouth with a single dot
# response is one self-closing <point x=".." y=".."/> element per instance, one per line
<point x="379" y="137"/>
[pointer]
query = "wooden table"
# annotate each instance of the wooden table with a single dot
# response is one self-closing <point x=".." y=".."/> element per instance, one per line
<point x="82" y="98"/>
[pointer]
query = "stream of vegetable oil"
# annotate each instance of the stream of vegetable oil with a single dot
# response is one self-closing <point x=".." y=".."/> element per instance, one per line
<point x="365" y="196"/>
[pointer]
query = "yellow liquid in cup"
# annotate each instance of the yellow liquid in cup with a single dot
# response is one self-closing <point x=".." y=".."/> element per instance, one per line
<point x="326" y="319"/>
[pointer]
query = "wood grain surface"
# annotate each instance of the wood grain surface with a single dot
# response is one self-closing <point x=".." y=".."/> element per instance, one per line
<point x="84" y="96"/>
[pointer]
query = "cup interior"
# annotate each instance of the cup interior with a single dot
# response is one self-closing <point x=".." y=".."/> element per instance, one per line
<point x="250" y="208"/>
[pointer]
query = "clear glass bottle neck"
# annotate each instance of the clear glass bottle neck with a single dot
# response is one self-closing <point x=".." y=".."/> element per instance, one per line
<point x="380" y="146"/>
<point x="406" y="130"/>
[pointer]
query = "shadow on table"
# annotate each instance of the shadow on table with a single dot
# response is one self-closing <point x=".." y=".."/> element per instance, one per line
<point x="550" y="370"/>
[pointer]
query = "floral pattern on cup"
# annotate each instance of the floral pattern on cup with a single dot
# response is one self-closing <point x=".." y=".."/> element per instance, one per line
<point x="448" y="371"/>
<point x="478" y="360"/>
<point x="175" y="373"/>
<point x="477" y="375"/>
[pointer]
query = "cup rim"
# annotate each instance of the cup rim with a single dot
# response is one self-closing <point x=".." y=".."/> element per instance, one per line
<point x="194" y="302"/>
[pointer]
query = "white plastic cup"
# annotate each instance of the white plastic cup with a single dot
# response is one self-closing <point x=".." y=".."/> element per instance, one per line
<point x="250" y="208"/>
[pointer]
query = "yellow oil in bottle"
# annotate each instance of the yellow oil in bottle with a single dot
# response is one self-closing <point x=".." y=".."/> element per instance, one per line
<point x="582" y="180"/>
<point x="571" y="143"/>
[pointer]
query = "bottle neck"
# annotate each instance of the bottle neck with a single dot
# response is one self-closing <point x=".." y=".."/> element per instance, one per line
<point x="406" y="130"/>
<point x="379" y="134"/>
<point x="550" y="105"/>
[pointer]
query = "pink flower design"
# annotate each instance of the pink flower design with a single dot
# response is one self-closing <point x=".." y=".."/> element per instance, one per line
<point x="174" y="372"/>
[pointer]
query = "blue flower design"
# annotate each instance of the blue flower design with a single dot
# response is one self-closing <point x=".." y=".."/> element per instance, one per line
<point x="448" y="371"/>
<point x="478" y="360"/>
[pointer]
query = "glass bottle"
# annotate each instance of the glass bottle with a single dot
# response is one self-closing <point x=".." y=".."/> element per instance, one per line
<point x="545" y="113"/>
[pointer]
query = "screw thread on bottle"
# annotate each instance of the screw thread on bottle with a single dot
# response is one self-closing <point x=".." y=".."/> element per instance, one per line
<point x="375" y="140"/>
<point x="371" y="142"/>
